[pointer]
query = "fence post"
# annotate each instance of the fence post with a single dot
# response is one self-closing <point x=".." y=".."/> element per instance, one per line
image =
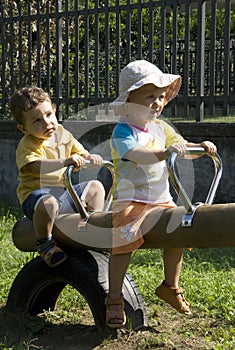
<point x="200" y="62"/>
<point x="212" y="67"/>
<point x="59" y="63"/>
<point x="227" y="43"/>
<point x="3" y="61"/>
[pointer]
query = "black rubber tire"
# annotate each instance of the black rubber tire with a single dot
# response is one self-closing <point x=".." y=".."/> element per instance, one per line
<point x="37" y="287"/>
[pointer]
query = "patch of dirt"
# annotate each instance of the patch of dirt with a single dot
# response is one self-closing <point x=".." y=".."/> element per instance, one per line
<point x="166" y="330"/>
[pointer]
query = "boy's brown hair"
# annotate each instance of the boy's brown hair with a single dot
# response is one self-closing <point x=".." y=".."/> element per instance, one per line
<point x="25" y="99"/>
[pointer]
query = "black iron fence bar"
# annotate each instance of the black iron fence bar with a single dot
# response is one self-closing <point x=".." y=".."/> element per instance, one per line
<point x="83" y="77"/>
<point x="76" y="51"/>
<point x="162" y="38"/>
<point x="140" y="33"/>
<point x="212" y="57"/>
<point x="39" y="45"/>
<point x="128" y="31"/>
<point x="96" y="75"/>
<point x="107" y="53"/>
<point x="226" y="55"/>
<point x="59" y="63"/>
<point x="200" y="66"/>
<point x="47" y="73"/>
<point x="3" y="58"/>
<point x="66" y="62"/>
<point x="151" y="32"/>
<point x="11" y="54"/>
<point x="174" y="49"/>
<point x="117" y="46"/>
<point x="186" y="59"/>
<point x="174" y="38"/>
<point x="86" y="52"/>
<point x="29" y="39"/>
<point x="20" y="46"/>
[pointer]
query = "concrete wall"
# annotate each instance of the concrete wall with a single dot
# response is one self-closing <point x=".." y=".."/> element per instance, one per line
<point x="95" y="137"/>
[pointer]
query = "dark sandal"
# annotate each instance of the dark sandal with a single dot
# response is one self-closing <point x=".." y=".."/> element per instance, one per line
<point x="115" y="314"/>
<point x="53" y="256"/>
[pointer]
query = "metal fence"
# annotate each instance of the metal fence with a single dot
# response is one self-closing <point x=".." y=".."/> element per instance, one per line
<point x="75" y="49"/>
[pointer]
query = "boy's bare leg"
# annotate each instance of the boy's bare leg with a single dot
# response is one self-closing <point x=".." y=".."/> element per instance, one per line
<point x="94" y="195"/>
<point x="43" y="219"/>
<point x="44" y="216"/>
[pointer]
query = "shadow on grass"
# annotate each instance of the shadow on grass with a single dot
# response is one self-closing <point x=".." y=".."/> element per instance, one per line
<point x="28" y="332"/>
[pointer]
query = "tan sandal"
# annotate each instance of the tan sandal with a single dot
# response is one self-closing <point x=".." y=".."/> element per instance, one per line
<point x="174" y="297"/>
<point x="115" y="314"/>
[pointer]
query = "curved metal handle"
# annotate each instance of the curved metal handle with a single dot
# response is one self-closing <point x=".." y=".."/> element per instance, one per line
<point x="73" y="194"/>
<point x="198" y="151"/>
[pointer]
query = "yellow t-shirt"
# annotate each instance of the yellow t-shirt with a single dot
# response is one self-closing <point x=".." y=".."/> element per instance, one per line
<point x="30" y="149"/>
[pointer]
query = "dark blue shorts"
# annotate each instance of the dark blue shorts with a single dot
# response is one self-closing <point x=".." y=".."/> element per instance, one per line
<point x="65" y="202"/>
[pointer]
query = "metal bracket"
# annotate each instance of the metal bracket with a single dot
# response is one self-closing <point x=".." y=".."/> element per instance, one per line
<point x="191" y="208"/>
<point x="82" y="225"/>
<point x="188" y="217"/>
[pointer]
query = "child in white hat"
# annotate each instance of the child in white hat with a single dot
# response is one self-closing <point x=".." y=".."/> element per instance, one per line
<point x="140" y="145"/>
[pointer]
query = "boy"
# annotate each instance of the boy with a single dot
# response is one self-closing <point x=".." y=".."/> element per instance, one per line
<point x="42" y="155"/>
<point x="140" y="145"/>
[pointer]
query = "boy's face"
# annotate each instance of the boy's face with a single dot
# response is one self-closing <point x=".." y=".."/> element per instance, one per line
<point x="40" y="121"/>
<point x="151" y="98"/>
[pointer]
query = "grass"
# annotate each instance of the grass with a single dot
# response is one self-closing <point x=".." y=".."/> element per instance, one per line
<point x="207" y="119"/>
<point x="220" y="119"/>
<point x="208" y="278"/>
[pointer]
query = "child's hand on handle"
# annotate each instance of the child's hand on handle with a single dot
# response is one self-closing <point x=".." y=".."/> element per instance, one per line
<point x="209" y="147"/>
<point x="75" y="160"/>
<point x="179" y="148"/>
<point x="95" y="159"/>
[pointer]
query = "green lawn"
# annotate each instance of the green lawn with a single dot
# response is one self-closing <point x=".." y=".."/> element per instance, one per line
<point x="208" y="279"/>
<point x="208" y="119"/>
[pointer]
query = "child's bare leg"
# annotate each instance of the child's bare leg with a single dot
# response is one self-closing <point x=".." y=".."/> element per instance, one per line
<point x="115" y="314"/>
<point x="94" y="195"/>
<point x="43" y="219"/>
<point x="44" y="216"/>
<point x="169" y="290"/>
<point x="118" y="265"/>
<point x="172" y="258"/>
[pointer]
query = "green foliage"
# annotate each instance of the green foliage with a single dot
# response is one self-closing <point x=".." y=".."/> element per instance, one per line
<point x="33" y="58"/>
<point x="11" y="259"/>
<point x="208" y="279"/>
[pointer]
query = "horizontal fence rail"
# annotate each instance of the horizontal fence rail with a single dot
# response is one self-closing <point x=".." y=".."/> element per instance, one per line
<point x="76" y="49"/>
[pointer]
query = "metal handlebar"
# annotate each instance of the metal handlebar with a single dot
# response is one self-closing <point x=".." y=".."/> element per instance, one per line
<point x="73" y="194"/>
<point x="218" y="168"/>
<point x="191" y="208"/>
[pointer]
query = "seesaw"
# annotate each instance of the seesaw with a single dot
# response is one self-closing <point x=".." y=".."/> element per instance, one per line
<point x="88" y="239"/>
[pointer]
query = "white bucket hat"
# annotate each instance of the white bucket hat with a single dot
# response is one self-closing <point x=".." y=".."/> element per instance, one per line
<point x="141" y="72"/>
